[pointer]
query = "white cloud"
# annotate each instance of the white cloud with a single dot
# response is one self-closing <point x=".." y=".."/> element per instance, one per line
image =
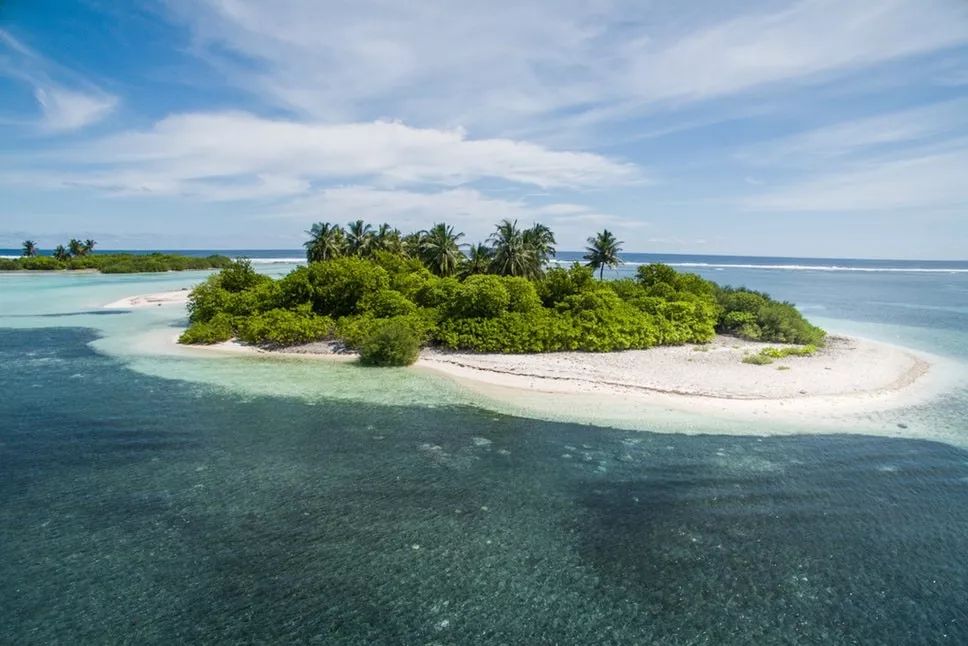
<point x="233" y="155"/>
<point x="62" y="108"/>
<point x="809" y="38"/>
<point x="68" y="110"/>
<point x="506" y="63"/>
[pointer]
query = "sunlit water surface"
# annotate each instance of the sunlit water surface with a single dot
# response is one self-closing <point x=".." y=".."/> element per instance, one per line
<point x="152" y="496"/>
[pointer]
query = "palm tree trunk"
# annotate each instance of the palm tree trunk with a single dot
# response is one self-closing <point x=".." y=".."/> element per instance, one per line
<point x="601" y="272"/>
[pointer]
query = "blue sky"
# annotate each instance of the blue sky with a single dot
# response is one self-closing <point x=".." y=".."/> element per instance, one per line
<point x="811" y="128"/>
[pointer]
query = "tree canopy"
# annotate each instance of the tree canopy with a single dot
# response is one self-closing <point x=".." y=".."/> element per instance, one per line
<point x="501" y="296"/>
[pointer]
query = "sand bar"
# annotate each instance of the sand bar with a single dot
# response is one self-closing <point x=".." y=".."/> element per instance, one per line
<point x="179" y="297"/>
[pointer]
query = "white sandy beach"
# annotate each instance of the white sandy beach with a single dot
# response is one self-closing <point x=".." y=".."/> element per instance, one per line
<point x="847" y="378"/>
<point x="715" y="371"/>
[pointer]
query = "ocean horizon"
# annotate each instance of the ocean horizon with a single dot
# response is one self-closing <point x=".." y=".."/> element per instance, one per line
<point x="630" y="259"/>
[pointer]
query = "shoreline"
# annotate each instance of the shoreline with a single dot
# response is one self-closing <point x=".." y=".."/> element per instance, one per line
<point x="548" y="374"/>
<point x="877" y="409"/>
<point x="849" y="380"/>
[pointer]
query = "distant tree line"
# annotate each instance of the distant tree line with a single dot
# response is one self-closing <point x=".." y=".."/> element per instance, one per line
<point x="78" y="255"/>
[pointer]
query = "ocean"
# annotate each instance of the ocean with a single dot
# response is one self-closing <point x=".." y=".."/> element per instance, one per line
<point x="150" y="495"/>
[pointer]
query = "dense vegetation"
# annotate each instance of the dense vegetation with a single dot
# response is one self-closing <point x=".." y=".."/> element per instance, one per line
<point x="386" y="294"/>
<point x="80" y="255"/>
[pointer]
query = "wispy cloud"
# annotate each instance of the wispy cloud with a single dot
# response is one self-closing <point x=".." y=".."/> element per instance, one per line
<point x="869" y="135"/>
<point x="508" y="63"/>
<point x="68" y="110"/>
<point x="66" y="102"/>
<point x="905" y="159"/>
<point x="931" y="182"/>
<point x="237" y="155"/>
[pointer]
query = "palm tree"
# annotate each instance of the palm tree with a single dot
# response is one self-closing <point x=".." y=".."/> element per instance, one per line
<point x="388" y="238"/>
<point x="76" y="247"/>
<point x="410" y="244"/>
<point x="541" y="241"/>
<point x="29" y="248"/>
<point x="513" y="256"/>
<point x="440" y="250"/>
<point x="603" y="252"/>
<point x="326" y="241"/>
<point x="478" y="261"/>
<point x="89" y="246"/>
<point x="61" y="253"/>
<point x="359" y="238"/>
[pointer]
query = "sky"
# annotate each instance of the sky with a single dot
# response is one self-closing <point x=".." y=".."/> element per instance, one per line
<point x="817" y="128"/>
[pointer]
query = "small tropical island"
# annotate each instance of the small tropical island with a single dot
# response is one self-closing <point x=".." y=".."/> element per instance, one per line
<point x="79" y="255"/>
<point x="386" y="295"/>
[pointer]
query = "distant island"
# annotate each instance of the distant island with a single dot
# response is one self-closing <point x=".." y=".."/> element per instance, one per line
<point x="384" y="295"/>
<point x="79" y="255"/>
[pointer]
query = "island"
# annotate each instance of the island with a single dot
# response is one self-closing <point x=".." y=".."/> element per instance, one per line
<point x="78" y="255"/>
<point x="385" y="295"/>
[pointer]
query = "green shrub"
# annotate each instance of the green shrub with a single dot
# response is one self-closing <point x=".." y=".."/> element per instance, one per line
<point x="436" y="292"/>
<point x="741" y="324"/>
<point x="697" y="286"/>
<point x="755" y="316"/>
<point x="603" y="322"/>
<point x="340" y="284"/>
<point x="779" y="353"/>
<point x="207" y="300"/>
<point x="654" y="274"/>
<point x="480" y="296"/>
<point x="522" y="295"/>
<point x="239" y="276"/>
<point x="768" y="355"/>
<point x="757" y="359"/>
<point x="41" y="263"/>
<point x="559" y="283"/>
<point x="354" y="330"/>
<point x="512" y="332"/>
<point x="407" y="275"/>
<point x="782" y="322"/>
<point x="284" y="328"/>
<point x="689" y="322"/>
<point x="386" y="303"/>
<point x="410" y="285"/>
<point x="741" y="300"/>
<point x="9" y="264"/>
<point x="294" y="289"/>
<point x="391" y="343"/>
<point x="627" y="289"/>
<point x="216" y="330"/>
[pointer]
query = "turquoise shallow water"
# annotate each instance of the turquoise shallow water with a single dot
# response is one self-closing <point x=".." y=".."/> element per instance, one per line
<point x="147" y="496"/>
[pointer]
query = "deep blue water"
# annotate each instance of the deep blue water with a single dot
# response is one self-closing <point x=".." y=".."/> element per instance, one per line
<point x="270" y="520"/>
<point x="136" y="509"/>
